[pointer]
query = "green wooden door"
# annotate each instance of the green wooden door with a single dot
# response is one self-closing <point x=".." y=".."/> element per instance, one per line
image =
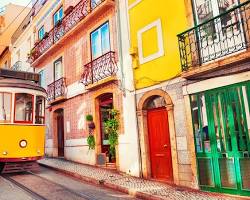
<point x="221" y="125"/>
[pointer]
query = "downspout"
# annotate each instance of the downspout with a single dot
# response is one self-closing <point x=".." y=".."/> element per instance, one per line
<point x="120" y="45"/>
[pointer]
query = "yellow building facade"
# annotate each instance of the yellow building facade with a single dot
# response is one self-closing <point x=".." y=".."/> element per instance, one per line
<point x="163" y="135"/>
<point x="153" y="39"/>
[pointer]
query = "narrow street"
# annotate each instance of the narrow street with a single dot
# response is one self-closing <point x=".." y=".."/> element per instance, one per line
<point x="47" y="184"/>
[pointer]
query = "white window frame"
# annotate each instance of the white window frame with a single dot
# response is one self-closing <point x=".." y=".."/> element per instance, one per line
<point x="160" y="43"/>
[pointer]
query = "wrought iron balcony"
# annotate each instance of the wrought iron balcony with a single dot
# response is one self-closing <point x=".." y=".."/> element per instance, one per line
<point x="100" y="68"/>
<point x="69" y="22"/>
<point x="220" y="36"/>
<point x="22" y="66"/>
<point x="17" y="66"/>
<point x="56" y="90"/>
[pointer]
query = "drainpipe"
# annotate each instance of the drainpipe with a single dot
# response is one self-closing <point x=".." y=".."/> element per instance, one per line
<point x="123" y="87"/>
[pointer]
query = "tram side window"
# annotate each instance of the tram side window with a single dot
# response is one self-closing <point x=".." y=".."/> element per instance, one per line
<point x="5" y="107"/>
<point x="40" y="110"/>
<point x="23" y="108"/>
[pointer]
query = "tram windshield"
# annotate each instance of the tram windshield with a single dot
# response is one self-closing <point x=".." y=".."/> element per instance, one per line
<point x="5" y="107"/>
<point x="23" y="107"/>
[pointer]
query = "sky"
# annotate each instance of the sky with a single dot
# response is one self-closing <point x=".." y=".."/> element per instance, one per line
<point x="18" y="2"/>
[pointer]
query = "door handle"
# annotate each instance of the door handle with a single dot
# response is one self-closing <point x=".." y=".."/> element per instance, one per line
<point x="165" y="145"/>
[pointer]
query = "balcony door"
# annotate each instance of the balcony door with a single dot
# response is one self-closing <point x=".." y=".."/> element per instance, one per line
<point x="100" y="41"/>
<point x="218" y="36"/>
<point x="58" y="69"/>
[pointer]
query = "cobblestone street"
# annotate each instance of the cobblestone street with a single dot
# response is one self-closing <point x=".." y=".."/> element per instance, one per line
<point x="142" y="188"/>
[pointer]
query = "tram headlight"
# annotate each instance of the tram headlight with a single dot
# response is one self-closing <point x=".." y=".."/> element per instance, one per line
<point x="23" y="143"/>
<point x="5" y="153"/>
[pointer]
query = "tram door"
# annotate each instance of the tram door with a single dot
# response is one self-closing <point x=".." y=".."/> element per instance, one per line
<point x="225" y="148"/>
<point x="60" y="133"/>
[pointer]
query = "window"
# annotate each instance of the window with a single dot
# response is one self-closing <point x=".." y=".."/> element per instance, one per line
<point x="58" y="69"/>
<point x="58" y="15"/>
<point x="40" y="110"/>
<point x="95" y="3"/>
<point x="100" y="41"/>
<point x="5" y="107"/>
<point x="42" y="82"/>
<point x="41" y="33"/>
<point x="23" y="108"/>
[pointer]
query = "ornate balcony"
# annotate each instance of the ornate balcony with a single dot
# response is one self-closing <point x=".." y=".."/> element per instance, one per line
<point x="223" y="35"/>
<point x="100" y="69"/>
<point x="17" y="66"/>
<point x="56" y="91"/>
<point x="70" y="21"/>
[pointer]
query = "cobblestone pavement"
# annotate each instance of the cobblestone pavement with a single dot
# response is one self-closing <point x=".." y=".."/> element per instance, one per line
<point x="133" y="184"/>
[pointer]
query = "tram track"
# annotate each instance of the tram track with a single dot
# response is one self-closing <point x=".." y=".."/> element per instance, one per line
<point x="23" y="181"/>
<point x="33" y="194"/>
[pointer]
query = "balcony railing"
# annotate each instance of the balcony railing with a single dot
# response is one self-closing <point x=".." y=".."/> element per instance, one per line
<point x="78" y="13"/>
<point x="56" y="90"/>
<point x="100" y="68"/>
<point x="220" y="36"/>
<point x="17" y="66"/>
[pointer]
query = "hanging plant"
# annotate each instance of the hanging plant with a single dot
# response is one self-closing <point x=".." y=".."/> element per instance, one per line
<point x="91" y="142"/>
<point x="91" y="126"/>
<point x="111" y="129"/>
<point x="89" y="118"/>
<point x="90" y="123"/>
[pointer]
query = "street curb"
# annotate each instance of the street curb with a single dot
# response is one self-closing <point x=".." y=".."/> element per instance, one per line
<point x="133" y="193"/>
<point x="125" y="190"/>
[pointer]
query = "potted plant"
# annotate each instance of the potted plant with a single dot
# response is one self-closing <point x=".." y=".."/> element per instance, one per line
<point x="58" y="23"/>
<point x="91" y="141"/>
<point x="89" y="119"/>
<point x="111" y="128"/>
<point x="68" y="10"/>
<point x="46" y="34"/>
<point x="91" y="127"/>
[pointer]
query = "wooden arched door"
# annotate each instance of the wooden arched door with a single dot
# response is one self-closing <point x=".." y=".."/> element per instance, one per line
<point x="159" y="140"/>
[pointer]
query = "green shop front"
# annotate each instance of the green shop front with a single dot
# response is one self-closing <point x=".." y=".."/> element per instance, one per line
<point x="221" y="124"/>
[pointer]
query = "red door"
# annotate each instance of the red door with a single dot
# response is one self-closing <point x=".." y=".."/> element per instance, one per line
<point x="159" y="141"/>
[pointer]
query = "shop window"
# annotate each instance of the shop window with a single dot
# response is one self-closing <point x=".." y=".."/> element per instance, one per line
<point x="200" y="123"/>
<point x="40" y="110"/>
<point x="23" y="108"/>
<point x="5" y="107"/>
<point x="100" y="41"/>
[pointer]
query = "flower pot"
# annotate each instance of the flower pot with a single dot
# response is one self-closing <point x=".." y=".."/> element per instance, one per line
<point x="68" y="10"/>
<point x="91" y="125"/>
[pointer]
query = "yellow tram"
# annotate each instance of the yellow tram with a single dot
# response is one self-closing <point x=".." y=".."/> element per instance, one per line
<point x="22" y="120"/>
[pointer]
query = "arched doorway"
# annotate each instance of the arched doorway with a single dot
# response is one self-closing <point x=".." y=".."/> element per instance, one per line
<point x="159" y="139"/>
<point x="60" y="131"/>
<point x="157" y="136"/>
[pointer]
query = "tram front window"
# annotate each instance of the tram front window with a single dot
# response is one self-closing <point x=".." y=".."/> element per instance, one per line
<point x="5" y="107"/>
<point x="40" y="110"/>
<point x="23" y="108"/>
